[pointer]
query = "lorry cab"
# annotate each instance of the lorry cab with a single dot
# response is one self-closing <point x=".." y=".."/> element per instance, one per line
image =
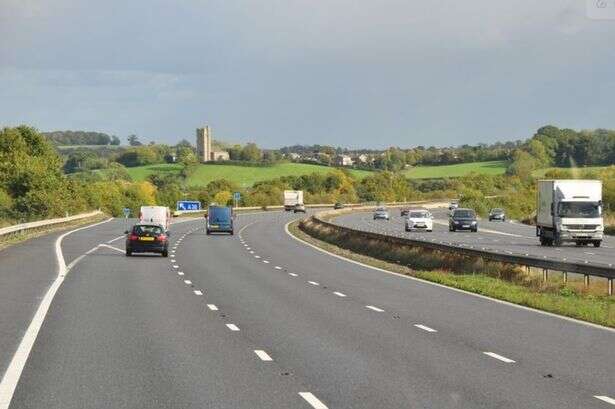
<point x="569" y="211"/>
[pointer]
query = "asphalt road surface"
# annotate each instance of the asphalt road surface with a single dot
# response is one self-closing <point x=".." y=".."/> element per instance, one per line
<point x="496" y="236"/>
<point x="260" y="320"/>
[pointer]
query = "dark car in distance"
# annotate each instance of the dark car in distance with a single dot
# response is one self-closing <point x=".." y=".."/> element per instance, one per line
<point x="463" y="219"/>
<point x="404" y="212"/>
<point x="338" y="205"/>
<point x="299" y="208"/>
<point x="219" y="219"/>
<point x="497" y="214"/>
<point x="147" y="238"/>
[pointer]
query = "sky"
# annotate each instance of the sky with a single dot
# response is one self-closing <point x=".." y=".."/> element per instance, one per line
<point x="352" y="73"/>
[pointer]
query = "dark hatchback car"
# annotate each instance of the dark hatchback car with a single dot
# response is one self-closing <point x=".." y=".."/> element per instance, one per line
<point x="497" y="214"/>
<point x="463" y="219"/>
<point x="219" y="219"/>
<point x="147" y="238"/>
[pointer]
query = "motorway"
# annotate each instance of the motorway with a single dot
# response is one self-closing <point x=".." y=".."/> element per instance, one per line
<point x="499" y="237"/>
<point x="261" y="320"/>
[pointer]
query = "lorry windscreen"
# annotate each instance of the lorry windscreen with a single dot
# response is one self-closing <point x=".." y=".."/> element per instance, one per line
<point x="219" y="214"/>
<point x="579" y="209"/>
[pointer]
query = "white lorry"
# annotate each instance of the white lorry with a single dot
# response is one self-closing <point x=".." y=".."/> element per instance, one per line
<point x="155" y="214"/>
<point x="292" y="198"/>
<point x="569" y="211"/>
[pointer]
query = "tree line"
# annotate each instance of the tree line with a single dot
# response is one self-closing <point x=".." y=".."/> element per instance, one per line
<point x="81" y="138"/>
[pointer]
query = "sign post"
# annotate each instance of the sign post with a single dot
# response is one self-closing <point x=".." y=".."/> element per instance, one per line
<point x="236" y="199"/>
<point x="126" y="212"/>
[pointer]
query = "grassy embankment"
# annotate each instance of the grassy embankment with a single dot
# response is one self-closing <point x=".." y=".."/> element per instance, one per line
<point x="244" y="176"/>
<point x="461" y="169"/>
<point x="496" y="280"/>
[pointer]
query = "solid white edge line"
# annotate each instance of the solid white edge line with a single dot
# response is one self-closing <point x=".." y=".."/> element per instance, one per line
<point x="212" y="307"/>
<point x="457" y="290"/>
<point x="264" y="356"/>
<point x="425" y="328"/>
<point x="605" y="399"/>
<point x="15" y="368"/>
<point x="232" y="327"/>
<point x="313" y="400"/>
<point x="113" y="248"/>
<point x="499" y="357"/>
<point x="117" y="238"/>
<point x="371" y="307"/>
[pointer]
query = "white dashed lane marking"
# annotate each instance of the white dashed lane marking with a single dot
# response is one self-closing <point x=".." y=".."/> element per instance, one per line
<point x="313" y="282"/>
<point x="371" y="307"/>
<point x="188" y="282"/>
<point x="313" y="400"/>
<point x="292" y="274"/>
<point x="278" y="267"/>
<point x="198" y="292"/>
<point x="499" y="357"/>
<point x="264" y="356"/>
<point x="232" y="327"/>
<point x="212" y="307"/>
<point x="265" y="261"/>
<point x="181" y="273"/>
<point x="175" y="266"/>
<point x="339" y="294"/>
<point x="257" y="256"/>
<point x="605" y="399"/>
<point x="425" y="328"/>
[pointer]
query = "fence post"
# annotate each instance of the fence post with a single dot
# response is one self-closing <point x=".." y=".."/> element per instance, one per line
<point x="565" y="277"/>
<point x="545" y="275"/>
<point x="610" y="285"/>
<point x="586" y="281"/>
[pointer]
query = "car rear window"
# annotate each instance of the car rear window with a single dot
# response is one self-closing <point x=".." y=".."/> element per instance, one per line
<point x="418" y="214"/>
<point x="219" y="214"/>
<point x="142" y="229"/>
<point x="464" y="214"/>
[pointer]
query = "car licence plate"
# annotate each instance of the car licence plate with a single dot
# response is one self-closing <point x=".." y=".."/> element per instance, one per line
<point x="146" y="238"/>
<point x="465" y="226"/>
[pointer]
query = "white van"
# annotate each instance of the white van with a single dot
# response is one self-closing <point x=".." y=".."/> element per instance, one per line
<point x="155" y="214"/>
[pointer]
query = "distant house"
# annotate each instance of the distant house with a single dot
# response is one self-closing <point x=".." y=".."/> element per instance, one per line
<point x="293" y="156"/>
<point x="362" y="158"/>
<point x="342" y="160"/>
<point x="219" y="155"/>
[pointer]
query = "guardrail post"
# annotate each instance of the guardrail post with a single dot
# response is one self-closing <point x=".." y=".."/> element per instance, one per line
<point x="565" y="277"/>
<point x="586" y="281"/>
<point x="610" y="285"/>
<point x="545" y="275"/>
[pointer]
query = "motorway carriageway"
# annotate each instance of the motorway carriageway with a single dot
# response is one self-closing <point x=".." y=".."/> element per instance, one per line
<point x="261" y="320"/>
<point x="499" y="237"/>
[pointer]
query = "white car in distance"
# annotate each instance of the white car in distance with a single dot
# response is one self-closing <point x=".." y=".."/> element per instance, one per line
<point x="419" y="220"/>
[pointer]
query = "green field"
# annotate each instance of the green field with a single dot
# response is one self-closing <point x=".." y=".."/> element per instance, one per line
<point x="244" y="176"/>
<point x="540" y="173"/>
<point x="462" y="169"/>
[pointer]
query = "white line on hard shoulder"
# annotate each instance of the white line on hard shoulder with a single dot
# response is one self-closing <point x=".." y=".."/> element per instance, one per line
<point x="313" y="400"/>
<point x="371" y="307"/>
<point x="339" y="294"/>
<point x="198" y="292"/>
<point x="13" y="372"/>
<point x="425" y="328"/>
<point x="232" y="327"/>
<point x="264" y="356"/>
<point x="500" y="357"/>
<point x="605" y="399"/>
<point x="313" y="282"/>
<point x="212" y="307"/>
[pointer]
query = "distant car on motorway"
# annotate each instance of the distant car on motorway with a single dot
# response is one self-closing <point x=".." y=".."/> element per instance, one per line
<point x="219" y="219"/>
<point x="463" y="219"/>
<point x="338" y="205"/>
<point x="299" y="208"/>
<point x="147" y="238"/>
<point x="453" y="205"/>
<point x="381" y="213"/>
<point x="419" y="220"/>
<point x="404" y="212"/>
<point x="497" y="214"/>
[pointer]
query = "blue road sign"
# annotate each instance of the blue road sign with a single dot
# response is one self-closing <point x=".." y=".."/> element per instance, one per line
<point x="188" y="205"/>
<point x="237" y="196"/>
<point x="126" y="211"/>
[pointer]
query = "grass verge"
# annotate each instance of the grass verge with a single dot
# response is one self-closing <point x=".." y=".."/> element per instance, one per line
<point x="507" y="283"/>
<point x="16" y="238"/>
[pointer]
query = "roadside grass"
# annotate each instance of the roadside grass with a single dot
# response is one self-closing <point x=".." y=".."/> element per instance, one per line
<point x="244" y="176"/>
<point x="461" y="169"/>
<point x="15" y="238"/>
<point x="496" y="280"/>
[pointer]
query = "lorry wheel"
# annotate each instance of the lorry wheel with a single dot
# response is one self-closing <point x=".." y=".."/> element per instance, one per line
<point x="208" y="232"/>
<point x="128" y="253"/>
<point x="165" y="253"/>
<point x="597" y="243"/>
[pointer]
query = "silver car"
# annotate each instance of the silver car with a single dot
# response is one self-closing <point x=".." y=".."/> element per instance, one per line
<point x="381" y="213"/>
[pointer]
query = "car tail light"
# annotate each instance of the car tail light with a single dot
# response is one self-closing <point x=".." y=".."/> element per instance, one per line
<point x="161" y="237"/>
<point x="134" y="237"/>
